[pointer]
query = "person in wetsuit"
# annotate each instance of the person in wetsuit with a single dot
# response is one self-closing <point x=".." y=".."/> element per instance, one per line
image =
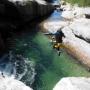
<point x="58" y="37"/>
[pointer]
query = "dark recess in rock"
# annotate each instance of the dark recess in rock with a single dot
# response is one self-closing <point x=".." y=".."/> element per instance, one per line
<point x="15" y="15"/>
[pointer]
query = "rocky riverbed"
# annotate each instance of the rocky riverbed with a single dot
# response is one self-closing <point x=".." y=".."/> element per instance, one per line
<point x="73" y="83"/>
<point x="75" y="26"/>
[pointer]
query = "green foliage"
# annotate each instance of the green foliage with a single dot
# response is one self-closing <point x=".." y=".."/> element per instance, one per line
<point x="79" y="2"/>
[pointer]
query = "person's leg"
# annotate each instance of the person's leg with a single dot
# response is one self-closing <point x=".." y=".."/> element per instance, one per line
<point x="59" y="48"/>
<point x="59" y="52"/>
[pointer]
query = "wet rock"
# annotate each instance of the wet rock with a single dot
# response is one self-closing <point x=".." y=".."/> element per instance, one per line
<point x="53" y="26"/>
<point x="73" y="83"/>
<point x="2" y="46"/>
<point x="18" y="12"/>
<point x="68" y="14"/>
<point x="30" y="10"/>
<point x="15" y="14"/>
<point x="18" y="67"/>
<point x="7" y="83"/>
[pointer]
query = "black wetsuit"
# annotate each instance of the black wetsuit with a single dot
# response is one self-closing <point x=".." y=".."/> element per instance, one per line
<point x="58" y="36"/>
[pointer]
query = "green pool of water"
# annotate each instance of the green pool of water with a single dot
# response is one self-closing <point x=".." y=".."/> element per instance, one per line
<point x="50" y="67"/>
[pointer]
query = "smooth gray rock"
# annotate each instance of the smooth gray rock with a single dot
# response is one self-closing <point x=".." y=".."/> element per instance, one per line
<point x="73" y="83"/>
<point x="14" y="14"/>
<point x="81" y="28"/>
<point x="31" y="9"/>
<point x="7" y="83"/>
<point x="77" y="47"/>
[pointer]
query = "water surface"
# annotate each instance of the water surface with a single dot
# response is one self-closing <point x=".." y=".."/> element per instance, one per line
<point x="50" y="67"/>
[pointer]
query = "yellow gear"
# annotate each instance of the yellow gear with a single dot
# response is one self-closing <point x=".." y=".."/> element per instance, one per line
<point x="58" y="45"/>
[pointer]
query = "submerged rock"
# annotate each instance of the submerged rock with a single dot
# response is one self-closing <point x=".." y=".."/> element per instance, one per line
<point x="32" y="9"/>
<point x="73" y="83"/>
<point x="7" y="83"/>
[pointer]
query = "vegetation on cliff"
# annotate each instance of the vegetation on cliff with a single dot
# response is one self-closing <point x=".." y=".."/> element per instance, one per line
<point x="79" y="2"/>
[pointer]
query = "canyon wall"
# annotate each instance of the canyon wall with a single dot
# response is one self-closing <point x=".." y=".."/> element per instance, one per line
<point x="15" y="13"/>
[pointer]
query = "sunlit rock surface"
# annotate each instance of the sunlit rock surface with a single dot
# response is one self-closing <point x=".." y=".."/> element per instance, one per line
<point x="54" y="22"/>
<point x="75" y="11"/>
<point x="32" y="9"/>
<point x="81" y="28"/>
<point x="19" y="12"/>
<point x="77" y="47"/>
<point x="53" y="26"/>
<point x="73" y="83"/>
<point x="7" y="83"/>
<point x="68" y="14"/>
<point x="76" y="30"/>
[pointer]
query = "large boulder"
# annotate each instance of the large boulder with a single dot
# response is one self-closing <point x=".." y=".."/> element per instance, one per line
<point x="68" y="14"/>
<point x="24" y="10"/>
<point x="53" y="26"/>
<point x="17" y="13"/>
<point x="73" y="83"/>
<point x="7" y="83"/>
<point x="77" y="47"/>
<point x="81" y="28"/>
<point x="75" y="11"/>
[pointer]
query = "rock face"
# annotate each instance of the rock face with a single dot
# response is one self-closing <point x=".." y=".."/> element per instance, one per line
<point x="16" y="13"/>
<point x="53" y="26"/>
<point x="81" y="28"/>
<point x="77" y="33"/>
<point x="73" y="83"/>
<point x="31" y="9"/>
<point x="7" y="83"/>
<point x="76" y="30"/>
<point x="76" y="47"/>
<point x="71" y="12"/>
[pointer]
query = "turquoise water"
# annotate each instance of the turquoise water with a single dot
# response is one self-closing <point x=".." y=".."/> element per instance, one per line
<point x="50" y="67"/>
